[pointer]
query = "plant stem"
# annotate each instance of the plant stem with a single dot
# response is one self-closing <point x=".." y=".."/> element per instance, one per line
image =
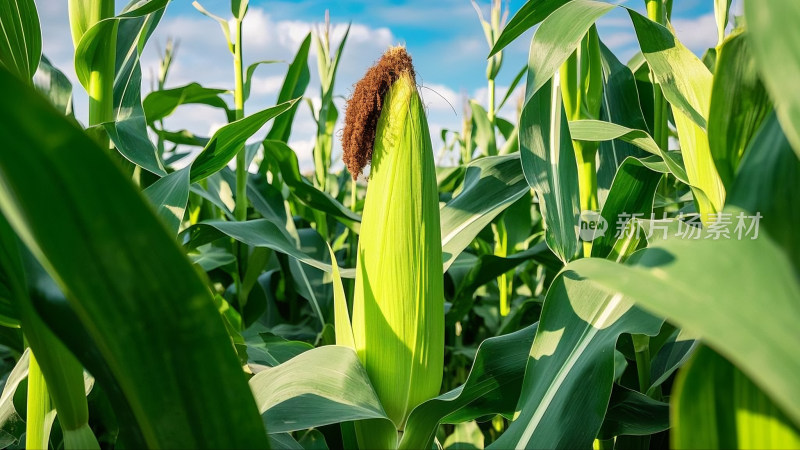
<point x="501" y="249"/>
<point x="641" y="346"/>
<point x="101" y="79"/>
<point x="586" y="157"/>
<point x="657" y="13"/>
<point x="605" y="444"/>
<point x="240" y="209"/>
<point x="491" y="110"/>
<point x="38" y="406"/>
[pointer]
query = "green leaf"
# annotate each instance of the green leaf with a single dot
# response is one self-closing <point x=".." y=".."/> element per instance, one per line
<point x="52" y="83"/>
<point x="739" y="104"/>
<point x="631" y="193"/>
<point x="484" y="130"/>
<point x="570" y="372"/>
<point x="21" y="44"/>
<point x="598" y="130"/>
<point x="319" y="387"/>
<point x="672" y="355"/>
<point x="160" y="104"/>
<point x="557" y="38"/>
<point x="465" y="436"/>
<point x="490" y="186"/>
<point x="342" y="324"/>
<point x="255" y="233"/>
<point x="226" y="29"/>
<point x="492" y="387"/>
<point x="61" y="370"/>
<point x="528" y="16"/>
<point x="620" y="105"/>
<point x="689" y="283"/>
<point x="248" y="78"/>
<point x="717" y="407"/>
<point x="721" y="10"/>
<point x="129" y="130"/>
<point x="483" y="269"/>
<point x="548" y="161"/>
<point x="239" y="8"/>
<point x="286" y="159"/>
<point x="169" y="196"/>
<point x="684" y="79"/>
<point x="633" y="413"/>
<point x="12" y="425"/>
<point x="686" y="84"/>
<point x="770" y="169"/>
<point x="155" y="290"/>
<point x="775" y="39"/>
<point x="226" y="142"/>
<point x="294" y="86"/>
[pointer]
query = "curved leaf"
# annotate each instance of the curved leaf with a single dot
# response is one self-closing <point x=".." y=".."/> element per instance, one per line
<point x="160" y="104"/>
<point x="717" y="407"/>
<point x="492" y="387"/>
<point x="528" y="16"/>
<point x="319" y="387"/>
<point x="557" y="38"/>
<point x="689" y="282"/>
<point x="155" y="290"/>
<point x="226" y="142"/>
<point x="548" y="161"/>
<point x="775" y="39"/>
<point x="490" y="186"/>
<point x="570" y="370"/>
<point x="309" y="195"/>
<point x="21" y="43"/>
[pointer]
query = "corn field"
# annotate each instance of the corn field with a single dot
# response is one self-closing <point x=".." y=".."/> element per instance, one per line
<point x="616" y="266"/>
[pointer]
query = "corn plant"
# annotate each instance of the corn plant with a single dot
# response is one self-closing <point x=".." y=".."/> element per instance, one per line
<point x="614" y="267"/>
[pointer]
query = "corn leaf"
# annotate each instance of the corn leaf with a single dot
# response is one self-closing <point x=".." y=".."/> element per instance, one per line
<point x="160" y="104"/>
<point x="775" y="39"/>
<point x="226" y="142"/>
<point x="492" y="387"/>
<point x="319" y="387"/>
<point x="570" y="370"/>
<point x="294" y="86"/>
<point x="600" y="131"/>
<point x="528" y="16"/>
<point x="52" y="83"/>
<point x="484" y="130"/>
<point x="21" y="45"/>
<point x="129" y="130"/>
<point x="688" y="282"/>
<point x="286" y="159"/>
<point x="255" y="233"/>
<point x="632" y="413"/>
<point x="686" y="84"/>
<point x="632" y="193"/>
<point x="717" y="407"/>
<point x="739" y="104"/>
<point x="768" y="170"/>
<point x="169" y="196"/>
<point x="557" y="38"/>
<point x="155" y="290"/>
<point x="490" y="186"/>
<point x="548" y="162"/>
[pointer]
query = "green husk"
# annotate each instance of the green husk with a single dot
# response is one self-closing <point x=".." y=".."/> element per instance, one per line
<point x="398" y="310"/>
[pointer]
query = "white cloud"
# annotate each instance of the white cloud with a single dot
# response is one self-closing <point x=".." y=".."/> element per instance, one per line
<point x="438" y="97"/>
<point x="697" y="33"/>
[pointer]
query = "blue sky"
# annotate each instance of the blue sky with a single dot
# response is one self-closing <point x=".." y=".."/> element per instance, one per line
<point x="444" y="38"/>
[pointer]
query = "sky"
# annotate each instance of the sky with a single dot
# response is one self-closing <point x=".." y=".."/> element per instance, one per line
<point x="444" y="38"/>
